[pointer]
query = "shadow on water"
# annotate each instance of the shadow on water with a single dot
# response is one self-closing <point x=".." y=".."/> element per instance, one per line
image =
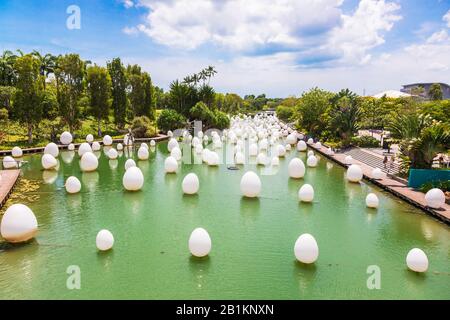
<point x="170" y="180"/>
<point x="294" y="185"/>
<point x="190" y="200"/>
<point x="250" y="208"/>
<point x="105" y="258"/>
<point x="7" y="246"/>
<point x="304" y="274"/>
<point x="199" y="268"/>
<point x="134" y="200"/>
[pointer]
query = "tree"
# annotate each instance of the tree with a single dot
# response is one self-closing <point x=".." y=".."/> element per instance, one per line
<point x="206" y="94"/>
<point x="140" y="92"/>
<point x="47" y="65"/>
<point x="435" y="92"/>
<point x="314" y="110"/>
<point x="7" y="72"/>
<point x="149" y="101"/>
<point x="285" y="113"/>
<point x="28" y="94"/>
<point x="119" y="95"/>
<point x="372" y="113"/>
<point x="99" y="90"/>
<point x="345" y="114"/>
<point x="6" y="94"/>
<point x="182" y="97"/>
<point x="169" y="119"/>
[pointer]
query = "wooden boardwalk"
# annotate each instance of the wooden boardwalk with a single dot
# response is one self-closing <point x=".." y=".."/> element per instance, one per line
<point x="7" y="183"/>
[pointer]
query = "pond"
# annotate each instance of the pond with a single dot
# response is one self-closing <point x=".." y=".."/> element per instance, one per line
<point x="252" y="253"/>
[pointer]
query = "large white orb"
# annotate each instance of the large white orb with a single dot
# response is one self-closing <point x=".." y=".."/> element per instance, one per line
<point x="199" y="243"/>
<point x="212" y="158"/>
<point x="18" y="224"/>
<point x="16" y="152"/>
<point x="89" y="138"/>
<point x="281" y="150"/>
<point x="262" y="159"/>
<point x="52" y="149"/>
<point x="306" y="249"/>
<point x="250" y="184"/>
<point x="104" y="240"/>
<point x="275" y="161"/>
<point x="311" y="161"/>
<point x="306" y="193"/>
<point x="9" y="163"/>
<point x="129" y="163"/>
<point x="176" y="153"/>
<point x="107" y="140"/>
<point x="190" y="184"/>
<point x="354" y="173"/>
<point x="239" y="158"/>
<point x="112" y="154"/>
<point x="48" y="161"/>
<point x="288" y="147"/>
<point x="310" y="153"/>
<point x="73" y="185"/>
<point x="83" y="148"/>
<point x="310" y="141"/>
<point x="377" y="174"/>
<point x="348" y="160"/>
<point x="133" y="179"/>
<point x="143" y="153"/>
<point x="119" y="147"/>
<point x="263" y="144"/>
<point x="96" y="146"/>
<point x="170" y="164"/>
<point x="71" y="147"/>
<point x="200" y="134"/>
<point x="296" y="168"/>
<point x="372" y="200"/>
<point x="88" y="162"/>
<point x="172" y="144"/>
<point x="66" y="138"/>
<point x="292" y="138"/>
<point x="301" y="146"/>
<point x="417" y="260"/>
<point x="253" y="150"/>
<point x="318" y="145"/>
<point x="144" y="145"/>
<point x="152" y="143"/>
<point x="435" y="198"/>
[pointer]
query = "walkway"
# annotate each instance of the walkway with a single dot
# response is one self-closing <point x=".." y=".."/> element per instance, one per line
<point x="373" y="160"/>
<point x="7" y="183"/>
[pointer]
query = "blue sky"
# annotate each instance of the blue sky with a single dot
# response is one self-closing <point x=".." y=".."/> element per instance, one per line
<point x="279" y="47"/>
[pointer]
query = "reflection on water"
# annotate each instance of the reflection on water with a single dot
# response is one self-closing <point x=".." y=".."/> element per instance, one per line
<point x="250" y="208"/>
<point x="106" y="259"/>
<point x="90" y="180"/>
<point x="113" y="164"/>
<point x="49" y="176"/>
<point x="98" y="154"/>
<point x="67" y="156"/>
<point x="199" y="268"/>
<point x="305" y="275"/>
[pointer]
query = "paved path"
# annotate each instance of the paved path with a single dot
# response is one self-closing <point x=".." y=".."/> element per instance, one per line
<point x="372" y="160"/>
<point x="8" y="180"/>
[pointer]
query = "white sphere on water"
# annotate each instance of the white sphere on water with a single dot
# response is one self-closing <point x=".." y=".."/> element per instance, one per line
<point x="127" y="140"/>
<point x="113" y="154"/>
<point x="18" y="224"/>
<point x="9" y="163"/>
<point x="133" y="179"/>
<point x="96" y="146"/>
<point x="275" y="161"/>
<point x="348" y="160"/>
<point x="261" y="159"/>
<point x="143" y="153"/>
<point x="296" y="168"/>
<point x="250" y="184"/>
<point x="129" y="163"/>
<point x="301" y="146"/>
<point x="311" y="161"/>
<point x="83" y="148"/>
<point x="16" y="152"/>
<point x="306" y="193"/>
<point x="205" y="155"/>
<point x="354" y="173"/>
<point x="107" y="140"/>
<point x="48" y="161"/>
<point x="292" y="138"/>
<point x="281" y="150"/>
<point x="310" y="141"/>
<point x="310" y="153"/>
<point x="190" y="184"/>
<point x="88" y="162"/>
<point x="198" y="148"/>
<point x="66" y="138"/>
<point x="306" y="249"/>
<point x="144" y="145"/>
<point x="104" y="240"/>
<point x="239" y="158"/>
<point x="377" y="174"/>
<point x="176" y="153"/>
<point x="152" y="143"/>
<point x="52" y="149"/>
<point x="119" y="147"/>
<point x="89" y="138"/>
<point x="170" y="164"/>
<point x="435" y="198"/>
<point x="329" y="152"/>
<point x="288" y="147"/>
<point x="253" y="150"/>
<point x="199" y="243"/>
<point x="213" y="158"/>
<point x="172" y="144"/>
<point x="73" y="185"/>
<point x="417" y="260"/>
<point x="170" y="133"/>
<point x="372" y="200"/>
<point x="71" y="147"/>
<point x="200" y="134"/>
<point x="263" y="144"/>
<point x="195" y="141"/>
<point x="205" y="138"/>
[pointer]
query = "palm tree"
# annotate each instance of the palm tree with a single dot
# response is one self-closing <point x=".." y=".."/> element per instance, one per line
<point x="7" y="73"/>
<point x="47" y="64"/>
<point x="345" y="114"/>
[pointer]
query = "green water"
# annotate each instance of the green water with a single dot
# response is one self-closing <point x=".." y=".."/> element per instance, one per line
<point x="252" y="240"/>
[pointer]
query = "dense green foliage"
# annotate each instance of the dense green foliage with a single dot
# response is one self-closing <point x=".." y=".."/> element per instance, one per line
<point x="285" y="113"/>
<point x="142" y="127"/>
<point x="170" y="119"/>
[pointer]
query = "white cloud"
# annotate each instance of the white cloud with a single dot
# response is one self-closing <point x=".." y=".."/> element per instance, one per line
<point x="446" y="18"/>
<point x="439" y="37"/>
<point x="130" y="30"/>
<point x="128" y="3"/>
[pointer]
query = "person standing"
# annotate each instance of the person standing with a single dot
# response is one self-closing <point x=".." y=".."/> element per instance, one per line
<point x="385" y="160"/>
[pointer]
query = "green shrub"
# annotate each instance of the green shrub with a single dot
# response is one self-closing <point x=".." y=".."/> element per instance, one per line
<point x="443" y="185"/>
<point x="201" y="112"/>
<point x="3" y="115"/>
<point x="169" y="119"/>
<point x="284" y="113"/>
<point x="365" y="142"/>
<point x="142" y="127"/>
<point x="221" y="120"/>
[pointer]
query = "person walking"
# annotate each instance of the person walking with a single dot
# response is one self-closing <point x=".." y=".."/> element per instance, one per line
<point x="385" y="160"/>
<point x="391" y="163"/>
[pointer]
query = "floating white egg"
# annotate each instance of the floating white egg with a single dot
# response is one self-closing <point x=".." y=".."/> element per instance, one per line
<point x="292" y="138"/>
<point x="301" y="146"/>
<point x="113" y="154"/>
<point x="306" y="193"/>
<point x="311" y="161"/>
<point x="281" y="150"/>
<point x="89" y="138"/>
<point x="18" y="224"/>
<point x="310" y="153"/>
<point x="250" y="184"/>
<point x="143" y="153"/>
<point x="329" y="152"/>
<point x="199" y="243"/>
<point x="239" y="158"/>
<point x="170" y="133"/>
<point x="190" y="184"/>
<point x="306" y="249"/>
<point x="104" y="240"/>
<point x="83" y="148"/>
<point x="253" y="150"/>
<point x="119" y="147"/>
<point x="176" y="153"/>
<point x="354" y="173"/>
<point x="261" y="159"/>
<point x="133" y="179"/>
<point x="310" y="141"/>
<point x="205" y="138"/>
<point x="288" y="147"/>
<point x="52" y="149"/>
<point x="152" y="143"/>
<point x="170" y="165"/>
<point x="296" y="168"/>
<point x="128" y="140"/>
<point x="172" y="144"/>
<point x="16" y="152"/>
<point x="377" y="174"/>
<point x="48" y="161"/>
<point x="372" y="200"/>
<point x="129" y="163"/>
<point x="73" y="185"/>
<point x="9" y="163"/>
<point x="213" y="158"/>
<point x="96" y="146"/>
<point x="435" y="198"/>
<point x="348" y="160"/>
<point x="71" y="147"/>
<point x="198" y="148"/>
<point x="200" y="134"/>
<point x="88" y="162"/>
<point x="318" y="145"/>
<point x="144" y="145"/>
<point x="66" y="138"/>
<point x="417" y="260"/>
<point x="275" y="161"/>
<point x="107" y="140"/>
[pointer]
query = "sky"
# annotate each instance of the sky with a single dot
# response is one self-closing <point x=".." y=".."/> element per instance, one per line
<point x="277" y="47"/>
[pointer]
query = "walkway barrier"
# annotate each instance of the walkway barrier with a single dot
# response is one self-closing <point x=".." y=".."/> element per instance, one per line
<point x="418" y="177"/>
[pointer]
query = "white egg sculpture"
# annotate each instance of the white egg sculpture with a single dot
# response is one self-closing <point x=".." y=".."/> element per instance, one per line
<point x="198" y="148"/>
<point x="329" y="152"/>
<point x="89" y="138"/>
<point x="250" y="184"/>
<point x="190" y="184"/>
<point x="48" y="161"/>
<point x="129" y="163"/>
<point x="310" y="141"/>
<point x="152" y="143"/>
<point x="107" y="140"/>
<point x="9" y="163"/>
<point x="311" y="161"/>
<point x="66" y="138"/>
<point x="200" y="134"/>
<point x="213" y="159"/>
<point x="417" y="260"/>
<point x="119" y="147"/>
<point x="127" y="140"/>
<point x="83" y="148"/>
<point x="96" y="146"/>
<point x="170" y="133"/>
<point x="301" y="146"/>
<point x="18" y="224"/>
<point x="377" y="174"/>
<point x="275" y="161"/>
<point x="112" y="154"/>
<point x="288" y="147"/>
<point x="292" y="138"/>
<point x="104" y="240"/>
<point x="253" y="150"/>
<point x="199" y="243"/>
<point x="348" y="160"/>
<point x="176" y="153"/>
<point x="354" y="173"/>
<point x="281" y="150"/>
<point x="143" y="153"/>
<point x="88" y="162"/>
<point x="133" y="179"/>
<point x="306" y="249"/>
<point x="170" y="164"/>
<point x="71" y="147"/>
<point x="144" y="145"/>
<point x="372" y="200"/>
<point x="435" y="198"/>
<point x="318" y="145"/>
<point x="239" y="158"/>
<point x="306" y="193"/>
<point x="296" y="168"/>
<point x="310" y="153"/>
<point x="73" y="185"/>
<point x="172" y="144"/>
<point x="16" y="152"/>
<point x="52" y="149"/>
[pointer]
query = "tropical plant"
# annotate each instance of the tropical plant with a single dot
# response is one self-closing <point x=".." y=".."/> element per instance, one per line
<point x="99" y="91"/>
<point x="314" y="108"/>
<point x="142" y="127"/>
<point x="435" y="92"/>
<point x="7" y="72"/>
<point x="285" y="113"/>
<point x="169" y="119"/>
<point x="119" y="95"/>
<point x="345" y="114"/>
<point x="47" y="65"/>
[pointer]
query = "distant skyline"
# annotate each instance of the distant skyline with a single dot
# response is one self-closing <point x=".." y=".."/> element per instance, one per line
<point x="277" y="47"/>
